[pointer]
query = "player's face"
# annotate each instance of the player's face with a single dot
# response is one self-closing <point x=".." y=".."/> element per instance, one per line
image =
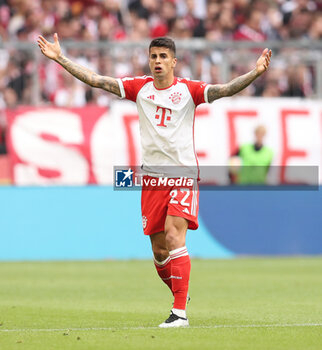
<point x="161" y="62"/>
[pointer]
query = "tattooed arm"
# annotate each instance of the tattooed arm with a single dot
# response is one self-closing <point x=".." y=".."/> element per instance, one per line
<point x="240" y="83"/>
<point x="53" y="51"/>
<point x="89" y="77"/>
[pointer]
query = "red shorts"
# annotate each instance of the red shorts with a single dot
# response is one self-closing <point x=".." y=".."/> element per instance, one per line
<point x="178" y="199"/>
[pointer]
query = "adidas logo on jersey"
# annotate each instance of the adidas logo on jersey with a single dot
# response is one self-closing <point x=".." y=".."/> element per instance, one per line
<point x="151" y="97"/>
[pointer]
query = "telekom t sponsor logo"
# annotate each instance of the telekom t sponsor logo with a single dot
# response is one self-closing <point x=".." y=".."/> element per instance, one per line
<point x="164" y="114"/>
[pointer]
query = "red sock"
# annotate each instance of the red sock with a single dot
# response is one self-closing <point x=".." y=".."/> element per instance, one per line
<point x="180" y="274"/>
<point x="164" y="271"/>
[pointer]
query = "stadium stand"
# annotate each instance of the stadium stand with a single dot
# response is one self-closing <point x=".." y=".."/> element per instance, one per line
<point x="137" y="20"/>
<point x="111" y="36"/>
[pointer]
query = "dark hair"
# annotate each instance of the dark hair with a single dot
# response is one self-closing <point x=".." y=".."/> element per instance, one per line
<point x="163" y="42"/>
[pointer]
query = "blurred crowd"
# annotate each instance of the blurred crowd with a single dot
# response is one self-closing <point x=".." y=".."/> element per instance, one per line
<point x="136" y="20"/>
<point x="140" y="19"/>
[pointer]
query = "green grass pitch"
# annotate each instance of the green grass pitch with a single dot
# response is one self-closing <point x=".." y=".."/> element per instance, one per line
<point x="253" y="303"/>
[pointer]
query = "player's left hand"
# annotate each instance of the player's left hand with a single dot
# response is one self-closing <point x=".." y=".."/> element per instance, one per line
<point x="263" y="62"/>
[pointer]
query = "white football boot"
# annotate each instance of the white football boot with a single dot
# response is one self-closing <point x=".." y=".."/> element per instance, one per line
<point x="174" y="321"/>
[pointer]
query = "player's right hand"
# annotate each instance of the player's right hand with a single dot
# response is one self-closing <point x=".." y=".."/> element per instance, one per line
<point x="51" y="50"/>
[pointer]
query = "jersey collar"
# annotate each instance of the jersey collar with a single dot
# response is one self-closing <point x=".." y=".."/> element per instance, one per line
<point x="175" y="80"/>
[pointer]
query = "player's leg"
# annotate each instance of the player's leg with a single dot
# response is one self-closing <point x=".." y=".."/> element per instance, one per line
<point x="154" y="204"/>
<point x="161" y="256"/>
<point x="175" y="237"/>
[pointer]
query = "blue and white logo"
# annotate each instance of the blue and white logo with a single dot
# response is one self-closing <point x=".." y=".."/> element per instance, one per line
<point x="124" y="178"/>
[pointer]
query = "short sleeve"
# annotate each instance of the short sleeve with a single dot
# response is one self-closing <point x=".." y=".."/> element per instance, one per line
<point x="198" y="91"/>
<point x="130" y="87"/>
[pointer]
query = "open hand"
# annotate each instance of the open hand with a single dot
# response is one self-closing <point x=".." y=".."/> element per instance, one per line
<point x="51" y="50"/>
<point x="263" y="62"/>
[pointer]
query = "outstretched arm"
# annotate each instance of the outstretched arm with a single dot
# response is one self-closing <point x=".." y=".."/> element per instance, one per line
<point x="240" y="83"/>
<point x="53" y="51"/>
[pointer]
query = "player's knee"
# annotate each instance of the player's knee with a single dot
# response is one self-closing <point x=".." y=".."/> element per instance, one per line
<point x="160" y="253"/>
<point x="173" y="238"/>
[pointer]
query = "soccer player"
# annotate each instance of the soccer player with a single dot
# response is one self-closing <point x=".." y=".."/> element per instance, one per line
<point x="166" y="106"/>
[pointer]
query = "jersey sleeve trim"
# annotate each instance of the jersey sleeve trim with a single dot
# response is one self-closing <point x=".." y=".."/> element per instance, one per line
<point x="121" y="86"/>
<point x="206" y="93"/>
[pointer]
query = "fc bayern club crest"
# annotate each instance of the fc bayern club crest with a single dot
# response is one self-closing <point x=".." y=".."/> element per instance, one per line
<point x="175" y="97"/>
<point x="144" y="221"/>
